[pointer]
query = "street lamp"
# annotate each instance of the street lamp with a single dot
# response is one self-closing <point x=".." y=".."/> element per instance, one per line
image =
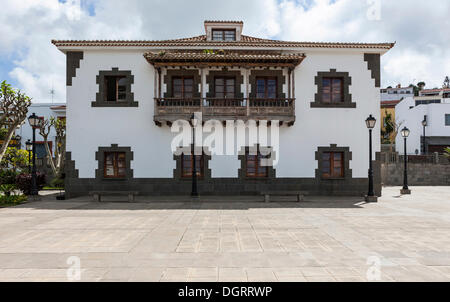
<point x="424" y="124"/>
<point x="405" y="191"/>
<point x="29" y="147"/>
<point x="35" y="122"/>
<point x="370" y="123"/>
<point x="194" y="192"/>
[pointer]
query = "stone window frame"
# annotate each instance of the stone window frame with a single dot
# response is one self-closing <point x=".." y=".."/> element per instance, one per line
<point x="271" y="173"/>
<point x="281" y="81"/>
<point x="347" y="82"/>
<point x="347" y="158"/>
<point x="100" y="97"/>
<point x="239" y="81"/>
<point x="100" y="157"/>
<point x="173" y="73"/>
<point x="178" y="171"/>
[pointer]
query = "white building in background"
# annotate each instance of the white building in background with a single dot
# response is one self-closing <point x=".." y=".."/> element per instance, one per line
<point x="397" y="93"/>
<point x="430" y="96"/>
<point x="123" y="97"/>
<point x="434" y="107"/>
<point x="44" y="111"/>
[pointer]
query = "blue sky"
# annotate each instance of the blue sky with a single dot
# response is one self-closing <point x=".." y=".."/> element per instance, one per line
<point x="30" y="62"/>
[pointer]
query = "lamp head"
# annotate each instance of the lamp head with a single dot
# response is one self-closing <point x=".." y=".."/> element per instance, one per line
<point x="405" y="132"/>
<point x="371" y="122"/>
<point x="29" y="145"/>
<point x="34" y="121"/>
<point x="193" y="120"/>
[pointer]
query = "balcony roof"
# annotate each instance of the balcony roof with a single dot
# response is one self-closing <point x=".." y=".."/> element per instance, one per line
<point x="224" y="59"/>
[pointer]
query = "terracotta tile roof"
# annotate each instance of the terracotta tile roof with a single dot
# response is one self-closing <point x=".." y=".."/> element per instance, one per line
<point x="387" y="104"/>
<point x="201" y="41"/>
<point x="233" y="22"/>
<point x="435" y="90"/>
<point x="62" y="107"/>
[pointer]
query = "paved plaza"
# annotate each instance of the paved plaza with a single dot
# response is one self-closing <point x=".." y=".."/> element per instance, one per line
<point x="401" y="238"/>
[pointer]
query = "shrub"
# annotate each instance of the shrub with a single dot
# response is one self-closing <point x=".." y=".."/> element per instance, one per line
<point x="13" y="199"/>
<point x="23" y="182"/>
<point x="447" y="152"/>
<point x="7" y="189"/>
<point x="7" y="176"/>
<point x="57" y="183"/>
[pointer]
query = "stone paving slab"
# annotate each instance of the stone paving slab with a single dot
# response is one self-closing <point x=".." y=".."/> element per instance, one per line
<point x="400" y="238"/>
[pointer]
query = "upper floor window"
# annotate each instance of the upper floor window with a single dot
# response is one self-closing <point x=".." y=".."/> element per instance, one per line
<point x="266" y="87"/>
<point x="224" y="87"/>
<point x="224" y="35"/>
<point x="114" y="165"/>
<point x="116" y="88"/>
<point x="332" y="90"/>
<point x="447" y="120"/>
<point x="332" y="165"/>
<point x="183" y="87"/>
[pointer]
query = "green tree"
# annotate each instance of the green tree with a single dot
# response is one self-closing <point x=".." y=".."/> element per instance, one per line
<point x="447" y="152"/>
<point x="16" y="159"/>
<point x="446" y="83"/>
<point x="392" y="128"/>
<point x="13" y="112"/>
<point x="59" y="125"/>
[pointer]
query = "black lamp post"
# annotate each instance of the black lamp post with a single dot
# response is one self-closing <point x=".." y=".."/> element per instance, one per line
<point x="29" y="147"/>
<point x="35" y="122"/>
<point x="370" y="123"/>
<point x="424" y="124"/>
<point x="405" y="190"/>
<point x="194" y="193"/>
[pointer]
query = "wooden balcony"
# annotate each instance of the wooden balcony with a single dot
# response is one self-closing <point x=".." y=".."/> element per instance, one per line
<point x="168" y="110"/>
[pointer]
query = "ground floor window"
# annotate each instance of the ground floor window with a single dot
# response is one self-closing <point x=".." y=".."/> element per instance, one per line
<point x="115" y="165"/>
<point x="332" y="164"/>
<point x="254" y="165"/>
<point x="187" y="164"/>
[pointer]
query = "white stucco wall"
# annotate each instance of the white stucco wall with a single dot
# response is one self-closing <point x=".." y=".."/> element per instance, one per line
<point x="412" y="119"/>
<point x="317" y="127"/>
<point x="88" y="127"/>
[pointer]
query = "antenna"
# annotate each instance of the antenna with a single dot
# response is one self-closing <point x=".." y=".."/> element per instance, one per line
<point x="52" y="92"/>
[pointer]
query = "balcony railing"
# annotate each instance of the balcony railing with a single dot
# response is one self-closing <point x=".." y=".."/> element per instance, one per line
<point x="170" y="109"/>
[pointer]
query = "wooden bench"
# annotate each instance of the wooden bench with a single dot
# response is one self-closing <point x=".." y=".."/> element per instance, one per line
<point x="300" y="194"/>
<point x="97" y="195"/>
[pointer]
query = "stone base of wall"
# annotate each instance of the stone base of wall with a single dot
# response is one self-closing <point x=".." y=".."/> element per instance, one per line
<point x="225" y="186"/>
<point x="418" y="174"/>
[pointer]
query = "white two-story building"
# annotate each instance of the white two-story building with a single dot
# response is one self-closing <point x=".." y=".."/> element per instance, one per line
<point x="308" y="101"/>
<point x="432" y="106"/>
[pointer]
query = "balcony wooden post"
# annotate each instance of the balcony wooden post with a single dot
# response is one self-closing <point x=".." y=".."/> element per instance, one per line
<point x="155" y="92"/>
<point x="289" y="83"/>
<point x="159" y="82"/>
<point x="293" y="92"/>
<point x="202" y="89"/>
<point x="247" y="90"/>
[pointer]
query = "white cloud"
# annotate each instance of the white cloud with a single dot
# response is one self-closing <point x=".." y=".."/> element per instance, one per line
<point x="27" y="26"/>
